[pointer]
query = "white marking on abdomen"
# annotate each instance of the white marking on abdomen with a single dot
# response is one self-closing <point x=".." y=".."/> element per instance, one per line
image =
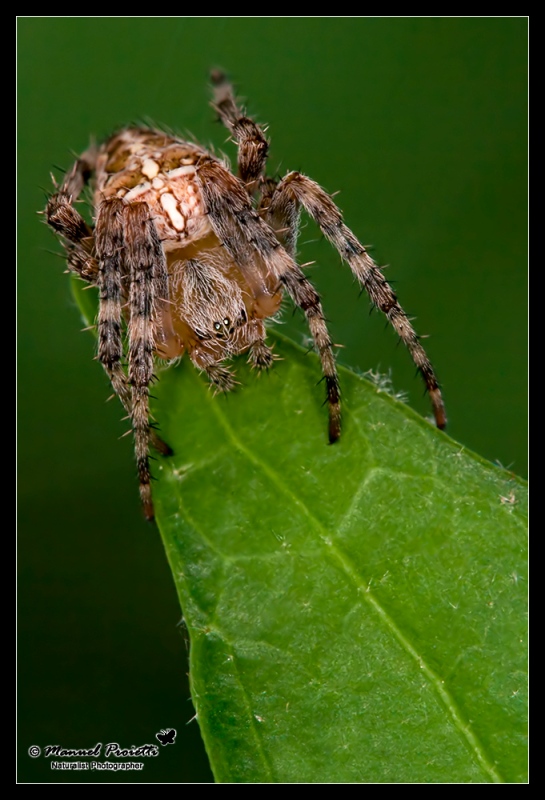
<point x="137" y="191"/>
<point x="150" y="168"/>
<point x="175" y="173"/>
<point x="168" y="201"/>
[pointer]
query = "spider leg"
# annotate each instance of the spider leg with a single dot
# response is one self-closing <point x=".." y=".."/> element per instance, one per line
<point x="109" y="280"/>
<point x="306" y="297"/>
<point x="248" y="240"/>
<point x="106" y="273"/>
<point x="80" y="174"/>
<point x="260" y="355"/>
<point x="318" y="204"/>
<point x="145" y="260"/>
<point x="250" y="336"/>
<point x="109" y="249"/>
<point x="251" y="141"/>
<point x="69" y="224"/>
<point x="282" y="215"/>
<point x="220" y="377"/>
<point x="77" y="236"/>
<point x="80" y="245"/>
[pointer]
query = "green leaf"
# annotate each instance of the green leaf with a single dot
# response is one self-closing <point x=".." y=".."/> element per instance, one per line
<point x="356" y="611"/>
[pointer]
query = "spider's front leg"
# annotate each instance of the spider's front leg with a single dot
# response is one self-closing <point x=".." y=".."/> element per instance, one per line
<point x="112" y="237"/>
<point x="298" y="189"/>
<point x="76" y="235"/>
<point x="146" y="265"/>
<point x="208" y="355"/>
<point x="250" y="242"/>
<point x="110" y="242"/>
<point x="96" y="262"/>
<point x="260" y="355"/>
<point x="128" y="246"/>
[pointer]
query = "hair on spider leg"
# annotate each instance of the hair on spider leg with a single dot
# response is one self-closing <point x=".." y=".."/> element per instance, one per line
<point x="47" y="193"/>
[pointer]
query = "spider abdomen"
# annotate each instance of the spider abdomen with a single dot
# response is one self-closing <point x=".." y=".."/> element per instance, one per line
<point x="140" y="165"/>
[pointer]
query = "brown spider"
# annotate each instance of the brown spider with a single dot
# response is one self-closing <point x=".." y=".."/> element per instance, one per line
<point x="192" y="258"/>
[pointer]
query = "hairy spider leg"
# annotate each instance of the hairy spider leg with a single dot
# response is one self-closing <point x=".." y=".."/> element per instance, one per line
<point x="81" y="245"/>
<point x="252" y="144"/>
<point x="252" y="154"/>
<point x="253" y="148"/>
<point x="280" y="205"/>
<point x="109" y="243"/>
<point x="319" y="205"/>
<point x="146" y="264"/>
<point x="282" y="217"/>
<point x="248" y="239"/>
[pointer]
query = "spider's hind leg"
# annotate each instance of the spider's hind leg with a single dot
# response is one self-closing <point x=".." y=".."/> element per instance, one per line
<point x="305" y="193"/>
<point x="109" y="249"/>
<point x="281" y="212"/>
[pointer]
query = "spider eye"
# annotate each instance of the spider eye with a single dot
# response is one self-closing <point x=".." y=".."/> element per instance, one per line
<point x="226" y="322"/>
<point x="217" y="326"/>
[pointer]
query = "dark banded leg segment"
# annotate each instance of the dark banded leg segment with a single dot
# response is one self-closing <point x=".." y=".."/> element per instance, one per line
<point x="260" y="355"/>
<point x="146" y="264"/>
<point x="281" y="213"/>
<point x="252" y="144"/>
<point x="109" y="248"/>
<point x="68" y="223"/>
<point x="76" y="234"/>
<point x="242" y="231"/>
<point x="319" y="205"/>
<point x="306" y="297"/>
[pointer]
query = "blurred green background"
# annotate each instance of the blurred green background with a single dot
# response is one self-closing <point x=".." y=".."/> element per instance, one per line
<point x="421" y="125"/>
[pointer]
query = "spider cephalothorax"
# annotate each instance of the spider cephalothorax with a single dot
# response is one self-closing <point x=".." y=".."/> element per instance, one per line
<point x="191" y="258"/>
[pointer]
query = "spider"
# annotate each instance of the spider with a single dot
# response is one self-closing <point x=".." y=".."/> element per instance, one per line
<point x="189" y="257"/>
